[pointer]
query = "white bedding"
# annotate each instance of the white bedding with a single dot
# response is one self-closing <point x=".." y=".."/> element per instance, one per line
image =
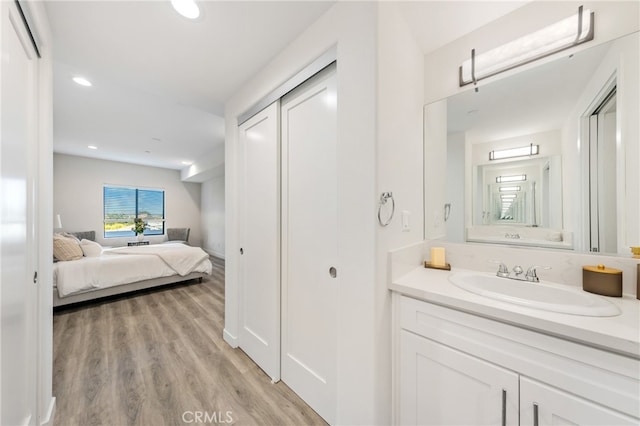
<point x="126" y="265"/>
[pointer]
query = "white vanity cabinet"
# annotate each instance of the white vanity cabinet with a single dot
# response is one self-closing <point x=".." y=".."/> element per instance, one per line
<point x="469" y="391"/>
<point x="453" y="368"/>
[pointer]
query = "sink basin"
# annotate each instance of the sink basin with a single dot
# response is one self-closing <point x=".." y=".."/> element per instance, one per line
<point x="545" y="296"/>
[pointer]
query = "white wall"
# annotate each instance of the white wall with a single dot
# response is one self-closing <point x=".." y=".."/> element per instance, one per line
<point x="454" y="189"/>
<point x="350" y="26"/>
<point x="78" y="195"/>
<point x="212" y="201"/>
<point x="399" y="169"/>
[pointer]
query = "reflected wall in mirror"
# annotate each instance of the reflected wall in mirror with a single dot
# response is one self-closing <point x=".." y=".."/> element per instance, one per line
<point x="581" y="189"/>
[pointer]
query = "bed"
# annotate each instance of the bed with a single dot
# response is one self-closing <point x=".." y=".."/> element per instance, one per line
<point x="102" y="272"/>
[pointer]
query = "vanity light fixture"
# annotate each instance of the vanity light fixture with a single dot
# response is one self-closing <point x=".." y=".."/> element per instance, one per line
<point x="187" y="8"/>
<point x="524" y="151"/>
<point x="513" y="178"/>
<point x="554" y="38"/>
<point x="509" y="189"/>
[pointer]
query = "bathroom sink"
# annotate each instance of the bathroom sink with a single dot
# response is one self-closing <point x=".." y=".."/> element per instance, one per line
<point x="545" y="296"/>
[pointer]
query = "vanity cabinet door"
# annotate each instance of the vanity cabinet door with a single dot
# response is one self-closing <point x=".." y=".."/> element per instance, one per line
<point x="541" y="404"/>
<point x="443" y="386"/>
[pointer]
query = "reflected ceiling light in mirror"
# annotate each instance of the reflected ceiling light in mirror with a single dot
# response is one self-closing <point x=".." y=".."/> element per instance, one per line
<point x="524" y="151"/>
<point x="187" y="8"/>
<point x="509" y="189"/>
<point x="512" y="178"/>
<point x="554" y="38"/>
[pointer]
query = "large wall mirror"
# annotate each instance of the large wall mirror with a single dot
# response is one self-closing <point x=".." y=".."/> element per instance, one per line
<point x="546" y="157"/>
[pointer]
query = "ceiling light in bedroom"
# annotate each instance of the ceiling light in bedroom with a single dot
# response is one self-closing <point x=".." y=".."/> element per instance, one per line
<point x="82" y="81"/>
<point x="187" y="8"/>
<point x="92" y="147"/>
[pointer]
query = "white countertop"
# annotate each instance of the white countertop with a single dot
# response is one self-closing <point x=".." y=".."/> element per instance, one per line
<point x="619" y="334"/>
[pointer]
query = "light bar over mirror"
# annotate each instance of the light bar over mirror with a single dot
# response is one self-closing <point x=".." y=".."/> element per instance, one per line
<point x="513" y="178"/>
<point x="523" y="151"/>
<point x="554" y="38"/>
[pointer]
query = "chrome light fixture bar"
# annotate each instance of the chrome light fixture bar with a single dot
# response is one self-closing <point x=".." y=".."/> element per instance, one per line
<point x="513" y="178"/>
<point x="524" y="151"/>
<point x="554" y="38"/>
<point x="509" y="189"/>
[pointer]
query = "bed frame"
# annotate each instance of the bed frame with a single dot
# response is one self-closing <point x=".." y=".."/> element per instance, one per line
<point x="121" y="289"/>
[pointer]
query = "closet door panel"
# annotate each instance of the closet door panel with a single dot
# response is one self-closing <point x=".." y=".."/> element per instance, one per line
<point x="260" y="240"/>
<point x="310" y="250"/>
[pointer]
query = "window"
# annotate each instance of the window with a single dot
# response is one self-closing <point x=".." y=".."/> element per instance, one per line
<point x="122" y="205"/>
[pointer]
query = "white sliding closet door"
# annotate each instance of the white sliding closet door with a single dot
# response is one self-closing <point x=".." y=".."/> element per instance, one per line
<point x="309" y="244"/>
<point x="18" y="253"/>
<point x="259" y="334"/>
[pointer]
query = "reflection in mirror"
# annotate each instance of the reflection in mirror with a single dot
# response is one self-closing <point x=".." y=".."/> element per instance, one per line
<point x="581" y="185"/>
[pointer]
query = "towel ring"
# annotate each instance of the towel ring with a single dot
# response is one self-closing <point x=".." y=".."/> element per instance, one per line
<point x="384" y="197"/>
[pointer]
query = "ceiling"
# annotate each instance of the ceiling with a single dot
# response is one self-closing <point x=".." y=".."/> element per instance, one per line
<point x="160" y="81"/>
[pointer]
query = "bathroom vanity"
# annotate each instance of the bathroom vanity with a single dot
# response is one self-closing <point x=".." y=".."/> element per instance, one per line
<point x="462" y="358"/>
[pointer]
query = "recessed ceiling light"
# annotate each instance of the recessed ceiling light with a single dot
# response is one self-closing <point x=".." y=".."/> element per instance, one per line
<point x="187" y="8"/>
<point x="92" y="147"/>
<point x="82" y="81"/>
<point x="187" y="163"/>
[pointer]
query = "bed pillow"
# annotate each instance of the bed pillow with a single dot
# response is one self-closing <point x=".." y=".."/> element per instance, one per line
<point x="90" y="248"/>
<point x="65" y="248"/>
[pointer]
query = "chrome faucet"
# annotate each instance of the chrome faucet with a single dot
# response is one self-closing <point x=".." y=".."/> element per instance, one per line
<point x="517" y="273"/>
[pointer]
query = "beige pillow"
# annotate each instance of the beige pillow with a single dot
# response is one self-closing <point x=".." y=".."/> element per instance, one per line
<point x="90" y="248"/>
<point x="65" y="248"/>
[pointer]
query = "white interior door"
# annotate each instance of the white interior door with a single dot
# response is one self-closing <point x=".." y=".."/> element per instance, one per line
<point x="17" y="249"/>
<point x="309" y="246"/>
<point x="259" y="289"/>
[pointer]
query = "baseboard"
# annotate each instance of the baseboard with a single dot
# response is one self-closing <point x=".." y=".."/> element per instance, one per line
<point x="230" y="338"/>
<point x="214" y="253"/>
<point x="51" y="413"/>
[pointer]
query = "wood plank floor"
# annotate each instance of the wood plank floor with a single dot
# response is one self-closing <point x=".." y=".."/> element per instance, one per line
<point x="158" y="358"/>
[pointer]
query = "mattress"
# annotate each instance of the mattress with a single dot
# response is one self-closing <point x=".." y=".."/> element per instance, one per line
<point x="127" y="265"/>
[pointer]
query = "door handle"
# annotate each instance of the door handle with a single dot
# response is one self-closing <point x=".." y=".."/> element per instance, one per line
<point x="535" y="414"/>
<point x="333" y="272"/>
<point x="504" y="408"/>
<point x="241" y="250"/>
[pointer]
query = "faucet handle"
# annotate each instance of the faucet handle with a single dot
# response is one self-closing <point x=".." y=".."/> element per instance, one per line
<point x="503" y="271"/>
<point x="517" y="270"/>
<point x="532" y="276"/>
